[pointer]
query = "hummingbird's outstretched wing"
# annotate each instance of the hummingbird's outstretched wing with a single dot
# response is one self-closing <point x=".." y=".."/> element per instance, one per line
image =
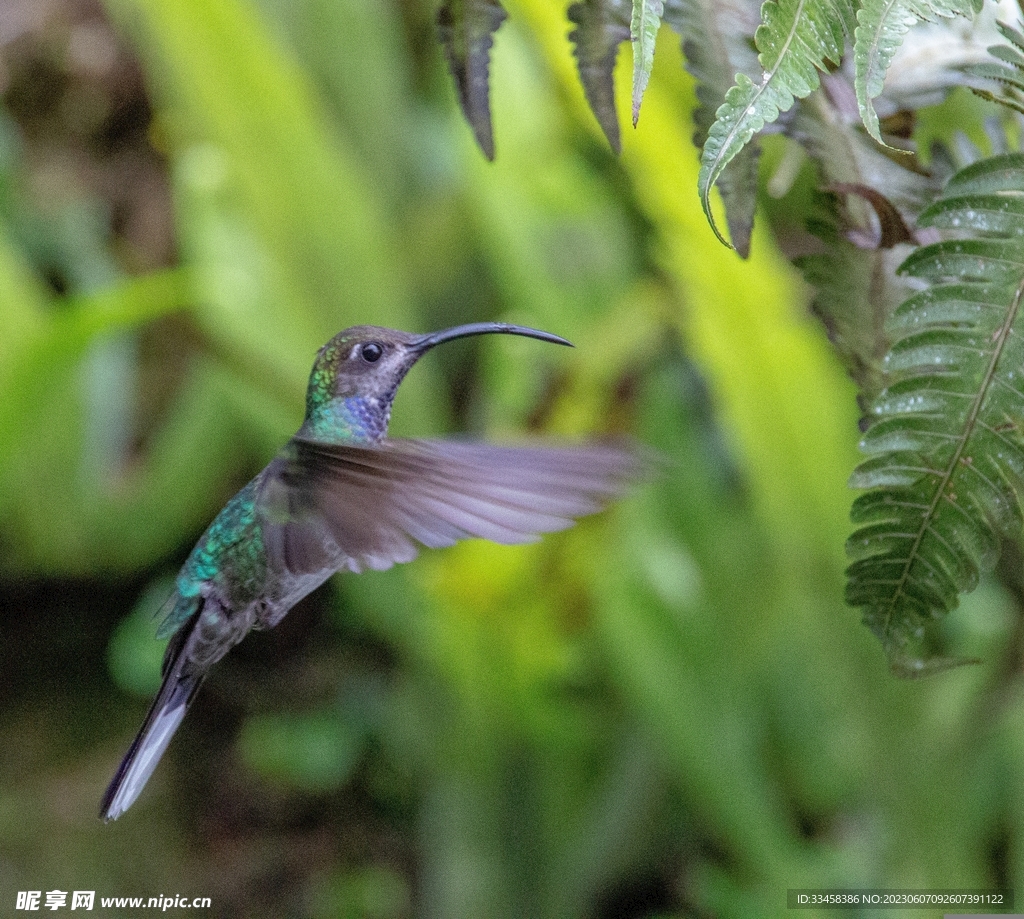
<point x="357" y="507"/>
<point x="180" y="684"/>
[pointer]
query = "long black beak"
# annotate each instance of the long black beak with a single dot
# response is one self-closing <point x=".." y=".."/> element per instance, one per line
<point x="426" y="342"/>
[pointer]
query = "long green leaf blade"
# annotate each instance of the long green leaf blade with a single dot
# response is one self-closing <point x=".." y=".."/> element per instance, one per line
<point x="251" y="147"/>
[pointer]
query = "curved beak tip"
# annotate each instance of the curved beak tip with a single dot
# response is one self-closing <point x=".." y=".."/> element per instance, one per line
<point x="424" y="342"/>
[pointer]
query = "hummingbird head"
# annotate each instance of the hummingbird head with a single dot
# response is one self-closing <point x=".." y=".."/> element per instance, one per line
<point x="357" y="373"/>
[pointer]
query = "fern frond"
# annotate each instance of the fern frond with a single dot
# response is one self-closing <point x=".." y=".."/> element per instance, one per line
<point x="601" y="26"/>
<point x="795" y="40"/>
<point x="716" y="44"/>
<point x="1009" y="73"/>
<point x="643" y="32"/>
<point x="466" y="30"/>
<point x="882" y="26"/>
<point x="946" y="472"/>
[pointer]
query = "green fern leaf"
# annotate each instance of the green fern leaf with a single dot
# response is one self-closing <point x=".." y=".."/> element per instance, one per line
<point x="643" y="31"/>
<point x="601" y="26"/>
<point x="716" y="44"/>
<point x="795" y="40"/>
<point x="882" y="26"/>
<point x="1009" y="73"/>
<point x="466" y="30"/>
<point x="946" y="471"/>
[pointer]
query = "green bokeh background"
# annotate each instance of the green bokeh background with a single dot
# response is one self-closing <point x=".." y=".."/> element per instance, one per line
<point x="664" y="712"/>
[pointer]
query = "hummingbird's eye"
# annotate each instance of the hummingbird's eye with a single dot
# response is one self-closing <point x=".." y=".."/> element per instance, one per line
<point x="371" y="352"/>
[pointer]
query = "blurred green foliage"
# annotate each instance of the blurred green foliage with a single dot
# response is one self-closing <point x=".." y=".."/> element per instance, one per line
<point x="664" y="712"/>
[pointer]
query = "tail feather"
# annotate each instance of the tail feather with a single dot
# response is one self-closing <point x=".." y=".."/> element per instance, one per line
<point x="165" y="715"/>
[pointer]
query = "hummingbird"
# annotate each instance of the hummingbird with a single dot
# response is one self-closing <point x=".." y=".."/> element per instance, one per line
<point x="341" y="496"/>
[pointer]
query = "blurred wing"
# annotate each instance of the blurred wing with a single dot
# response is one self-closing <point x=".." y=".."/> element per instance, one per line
<point x="356" y="507"/>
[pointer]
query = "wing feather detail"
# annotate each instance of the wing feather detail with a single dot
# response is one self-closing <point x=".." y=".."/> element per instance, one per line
<point x="354" y="507"/>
